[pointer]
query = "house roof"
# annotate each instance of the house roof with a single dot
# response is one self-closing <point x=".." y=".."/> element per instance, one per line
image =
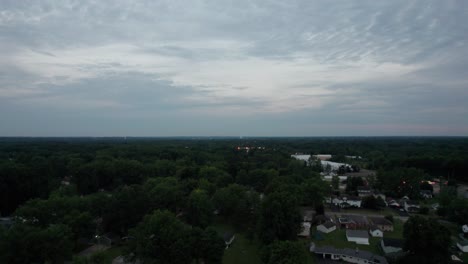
<point x="329" y="224"/>
<point x="362" y="254"/>
<point x="357" y="233"/>
<point x="393" y="242"/>
<point x="380" y="221"/>
<point x="463" y="242"/>
<point x="374" y="228"/>
<point x="358" y="219"/>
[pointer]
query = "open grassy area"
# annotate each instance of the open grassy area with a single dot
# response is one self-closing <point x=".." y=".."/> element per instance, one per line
<point x="111" y="253"/>
<point x="242" y="250"/>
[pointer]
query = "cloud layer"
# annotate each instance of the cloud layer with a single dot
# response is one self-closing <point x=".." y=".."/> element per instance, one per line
<point x="269" y="68"/>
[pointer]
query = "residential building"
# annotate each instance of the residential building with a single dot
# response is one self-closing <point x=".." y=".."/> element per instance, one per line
<point x="463" y="245"/>
<point x="364" y="191"/>
<point x="305" y="231"/>
<point x="349" y="255"/>
<point x="411" y="206"/>
<point x="374" y="231"/>
<point x="360" y="237"/>
<point x="326" y="227"/>
<point x="345" y="201"/>
<point x="382" y="223"/>
<point x="353" y="222"/>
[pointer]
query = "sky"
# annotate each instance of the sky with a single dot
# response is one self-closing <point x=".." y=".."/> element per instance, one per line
<point x="234" y="68"/>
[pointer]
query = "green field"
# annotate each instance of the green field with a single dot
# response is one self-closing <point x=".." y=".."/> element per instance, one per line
<point x="242" y="250"/>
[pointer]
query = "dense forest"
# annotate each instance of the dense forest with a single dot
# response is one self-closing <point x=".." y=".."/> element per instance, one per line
<point x="163" y="196"/>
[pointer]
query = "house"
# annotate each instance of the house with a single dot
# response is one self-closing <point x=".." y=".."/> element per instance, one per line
<point x="360" y="237"/>
<point x="391" y="245"/>
<point x="465" y="228"/>
<point x="326" y="227"/>
<point x="381" y="223"/>
<point x="349" y="255"/>
<point x="426" y="194"/>
<point x="305" y="231"/>
<point x="228" y="239"/>
<point x="307" y="215"/>
<point x="392" y="203"/>
<point x="353" y="222"/>
<point x="411" y="206"/>
<point x="374" y="231"/>
<point x="463" y="245"/>
<point x="345" y="201"/>
<point x="364" y="191"/>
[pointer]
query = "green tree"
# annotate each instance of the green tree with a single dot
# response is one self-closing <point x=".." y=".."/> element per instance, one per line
<point x="279" y="217"/>
<point x="162" y="238"/>
<point x="199" y="209"/>
<point x="352" y="183"/>
<point x="314" y="191"/>
<point x="285" y="252"/>
<point x="335" y="182"/>
<point x="29" y="244"/>
<point x="426" y="241"/>
<point x="210" y="246"/>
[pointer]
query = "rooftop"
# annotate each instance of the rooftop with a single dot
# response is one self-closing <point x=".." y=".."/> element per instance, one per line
<point x="380" y="221"/>
<point x="362" y="254"/>
<point x="357" y="233"/>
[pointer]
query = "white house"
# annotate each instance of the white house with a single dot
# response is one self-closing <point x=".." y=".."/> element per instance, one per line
<point x="326" y="227"/>
<point x="305" y="231"/>
<point x="463" y="245"/>
<point x="360" y="237"/>
<point x="465" y="228"/>
<point x="374" y="231"/>
<point x="345" y="201"/>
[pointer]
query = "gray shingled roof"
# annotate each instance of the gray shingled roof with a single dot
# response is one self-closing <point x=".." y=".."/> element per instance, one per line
<point x="357" y="233"/>
<point x="362" y="254"/>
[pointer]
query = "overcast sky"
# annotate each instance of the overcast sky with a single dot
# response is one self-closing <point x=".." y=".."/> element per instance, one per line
<point x="231" y="68"/>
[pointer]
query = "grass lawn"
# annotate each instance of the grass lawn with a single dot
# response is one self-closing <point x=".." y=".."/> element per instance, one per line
<point x="242" y="250"/>
<point x="397" y="230"/>
<point x="111" y="254"/>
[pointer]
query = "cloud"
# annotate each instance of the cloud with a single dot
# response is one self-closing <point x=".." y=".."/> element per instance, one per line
<point x="271" y="63"/>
